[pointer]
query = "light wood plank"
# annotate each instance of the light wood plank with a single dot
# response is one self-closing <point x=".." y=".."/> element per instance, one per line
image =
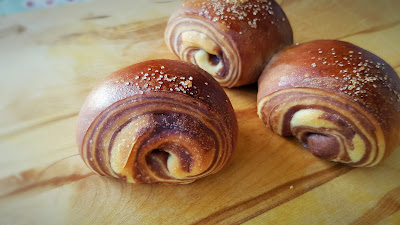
<point x="51" y="59"/>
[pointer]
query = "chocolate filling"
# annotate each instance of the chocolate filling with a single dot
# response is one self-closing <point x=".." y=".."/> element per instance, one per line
<point x="157" y="160"/>
<point x="322" y="146"/>
<point x="214" y="59"/>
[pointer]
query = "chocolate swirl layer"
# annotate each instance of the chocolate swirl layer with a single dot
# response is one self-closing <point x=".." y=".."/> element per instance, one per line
<point x="159" y="121"/>
<point x="231" y="40"/>
<point x="339" y="100"/>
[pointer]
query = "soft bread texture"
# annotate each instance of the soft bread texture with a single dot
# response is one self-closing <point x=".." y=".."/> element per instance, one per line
<point x="159" y="121"/>
<point x="339" y="100"/>
<point x="232" y="40"/>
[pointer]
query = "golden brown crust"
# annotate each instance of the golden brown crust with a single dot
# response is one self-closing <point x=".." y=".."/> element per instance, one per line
<point x="232" y="41"/>
<point x="159" y="121"/>
<point x="343" y="91"/>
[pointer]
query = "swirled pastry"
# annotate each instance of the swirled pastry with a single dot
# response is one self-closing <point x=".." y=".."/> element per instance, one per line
<point x="159" y="121"/>
<point x="231" y="39"/>
<point x="339" y="100"/>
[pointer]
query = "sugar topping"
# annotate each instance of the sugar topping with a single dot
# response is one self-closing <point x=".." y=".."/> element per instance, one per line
<point x="228" y="11"/>
<point x="236" y="1"/>
<point x="157" y="78"/>
<point x="360" y="75"/>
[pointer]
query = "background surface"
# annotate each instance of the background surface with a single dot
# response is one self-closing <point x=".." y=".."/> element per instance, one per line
<point x="14" y="6"/>
<point x="51" y="58"/>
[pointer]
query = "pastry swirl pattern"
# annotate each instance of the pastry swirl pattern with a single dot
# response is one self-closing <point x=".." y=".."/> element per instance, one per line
<point x="231" y="40"/>
<point x="341" y="101"/>
<point x="159" y="121"/>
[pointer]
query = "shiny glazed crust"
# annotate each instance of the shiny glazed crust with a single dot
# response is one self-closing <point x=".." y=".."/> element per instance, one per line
<point x="232" y="40"/>
<point x="339" y="100"/>
<point x="159" y="121"/>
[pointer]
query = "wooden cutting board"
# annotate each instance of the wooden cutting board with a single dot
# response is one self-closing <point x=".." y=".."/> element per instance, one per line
<point x="49" y="61"/>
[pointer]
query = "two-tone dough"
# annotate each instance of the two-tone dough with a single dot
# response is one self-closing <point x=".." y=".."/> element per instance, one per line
<point x="159" y="121"/>
<point x="231" y="40"/>
<point x="339" y="100"/>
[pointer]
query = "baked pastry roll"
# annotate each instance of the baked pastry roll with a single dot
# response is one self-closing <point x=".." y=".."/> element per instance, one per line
<point x="339" y="100"/>
<point x="231" y="39"/>
<point x="159" y="121"/>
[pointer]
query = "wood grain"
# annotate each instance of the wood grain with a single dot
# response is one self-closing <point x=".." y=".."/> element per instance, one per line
<point x="51" y="59"/>
<point x="386" y="206"/>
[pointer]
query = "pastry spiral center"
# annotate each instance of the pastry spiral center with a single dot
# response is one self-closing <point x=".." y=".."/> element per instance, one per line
<point x="207" y="55"/>
<point x="208" y="62"/>
<point x="322" y="136"/>
<point x="171" y="159"/>
<point x="319" y="144"/>
<point x="157" y="160"/>
<point x="309" y="125"/>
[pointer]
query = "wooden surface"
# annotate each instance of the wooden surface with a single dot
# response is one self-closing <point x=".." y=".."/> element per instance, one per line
<point x="50" y="60"/>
